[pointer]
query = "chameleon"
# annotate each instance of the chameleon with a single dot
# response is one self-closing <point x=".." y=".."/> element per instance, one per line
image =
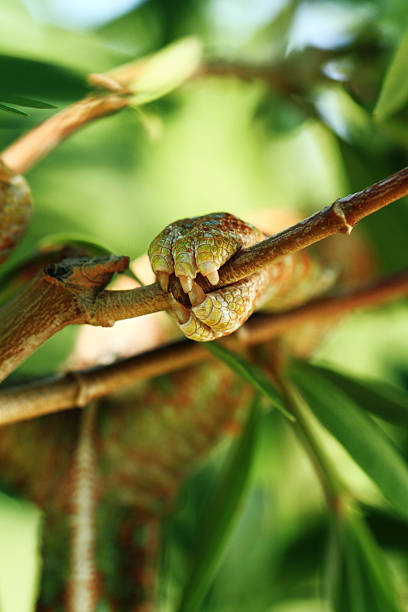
<point x="132" y="452"/>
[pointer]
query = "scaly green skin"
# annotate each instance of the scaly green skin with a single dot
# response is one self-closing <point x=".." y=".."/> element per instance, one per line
<point x="200" y="244"/>
<point x="204" y="244"/>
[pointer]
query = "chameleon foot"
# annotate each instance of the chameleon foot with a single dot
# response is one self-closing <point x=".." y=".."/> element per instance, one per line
<point x="203" y="245"/>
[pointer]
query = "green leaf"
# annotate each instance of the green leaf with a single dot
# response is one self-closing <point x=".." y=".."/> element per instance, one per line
<point x="361" y="436"/>
<point x="61" y="238"/>
<point x="222" y="512"/>
<point x="378" y="397"/>
<point x="39" y="80"/>
<point x="394" y="91"/>
<point x="249" y="372"/>
<point x="358" y="577"/>
<point x="24" y="101"/>
<point x="10" y="109"/>
<point x="166" y="70"/>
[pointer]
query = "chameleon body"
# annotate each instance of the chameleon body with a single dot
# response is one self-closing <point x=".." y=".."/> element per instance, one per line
<point x="107" y="478"/>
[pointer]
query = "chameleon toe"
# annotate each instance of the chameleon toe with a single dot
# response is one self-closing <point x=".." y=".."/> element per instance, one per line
<point x="163" y="278"/>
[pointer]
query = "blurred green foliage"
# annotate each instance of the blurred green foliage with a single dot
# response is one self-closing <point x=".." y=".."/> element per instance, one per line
<point x="323" y="113"/>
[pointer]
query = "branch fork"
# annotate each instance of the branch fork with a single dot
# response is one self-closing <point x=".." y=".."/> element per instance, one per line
<point x="74" y="290"/>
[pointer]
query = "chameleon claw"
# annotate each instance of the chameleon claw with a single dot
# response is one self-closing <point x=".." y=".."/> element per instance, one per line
<point x="213" y="277"/>
<point x="163" y="278"/>
<point x="196" y="295"/>
<point x="186" y="283"/>
<point x="209" y="270"/>
<point x="181" y="313"/>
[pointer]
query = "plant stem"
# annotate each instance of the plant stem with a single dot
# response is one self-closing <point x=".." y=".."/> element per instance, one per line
<point x="334" y="490"/>
<point x="78" y="388"/>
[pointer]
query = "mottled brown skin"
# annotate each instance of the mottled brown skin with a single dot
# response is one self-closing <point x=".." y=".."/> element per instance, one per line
<point x="146" y="444"/>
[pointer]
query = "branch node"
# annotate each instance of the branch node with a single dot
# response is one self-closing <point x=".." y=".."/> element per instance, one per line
<point x="82" y="396"/>
<point x="106" y="82"/>
<point x="337" y="208"/>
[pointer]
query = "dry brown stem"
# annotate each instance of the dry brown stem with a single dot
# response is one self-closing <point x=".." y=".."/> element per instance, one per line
<point x="60" y="295"/>
<point x="26" y="327"/>
<point x="79" y="388"/>
<point x="339" y="218"/>
<point x="50" y="302"/>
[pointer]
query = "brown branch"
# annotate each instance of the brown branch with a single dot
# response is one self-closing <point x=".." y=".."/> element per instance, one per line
<point x="24" y="327"/>
<point x="60" y="295"/>
<point x="338" y="218"/>
<point x="22" y="154"/>
<point x="45" y="306"/>
<point x="292" y="76"/>
<point x="79" y="388"/>
<point x="275" y="76"/>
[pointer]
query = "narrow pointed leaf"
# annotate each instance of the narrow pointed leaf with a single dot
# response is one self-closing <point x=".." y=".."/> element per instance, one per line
<point x="14" y="111"/>
<point x="394" y="91"/>
<point x="81" y="240"/>
<point x="375" y="396"/>
<point x="361" y="436"/>
<point x="358" y="579"/>
<point x="28" y="102"/>
<point x="222" y="512"/>
<point x="249" y="372"/>
<point x="39" y="80"/>
<point x="377" y="570"/>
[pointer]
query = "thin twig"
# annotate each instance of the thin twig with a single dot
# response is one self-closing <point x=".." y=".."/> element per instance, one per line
<point x="79" y="388"/>
<point x="338" y="218"/>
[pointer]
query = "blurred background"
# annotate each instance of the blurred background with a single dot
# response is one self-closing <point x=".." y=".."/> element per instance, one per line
<point x="293" y="111"/>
